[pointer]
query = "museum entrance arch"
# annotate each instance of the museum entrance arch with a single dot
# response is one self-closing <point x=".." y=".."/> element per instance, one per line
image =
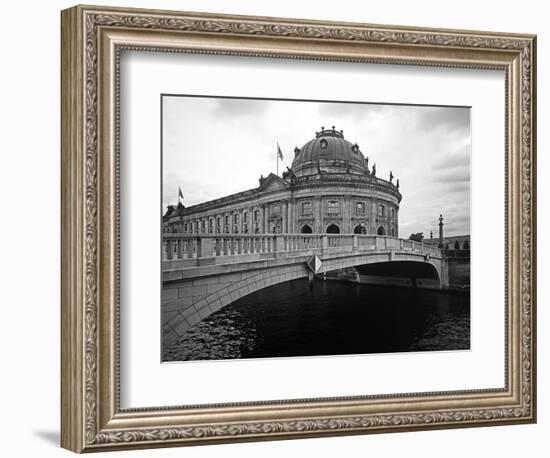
<point x="381" y="231"/>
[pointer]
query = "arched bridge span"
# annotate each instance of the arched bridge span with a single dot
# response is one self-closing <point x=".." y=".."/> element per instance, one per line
<point x="203" y="274"/>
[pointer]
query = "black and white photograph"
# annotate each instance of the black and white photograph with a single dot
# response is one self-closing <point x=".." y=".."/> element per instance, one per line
<point x="313" y="228"/>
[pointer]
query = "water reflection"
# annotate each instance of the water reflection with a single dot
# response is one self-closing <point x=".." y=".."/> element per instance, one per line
<point x="329" y="318"/>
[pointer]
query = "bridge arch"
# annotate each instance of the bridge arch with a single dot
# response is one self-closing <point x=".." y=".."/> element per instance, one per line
<point x="176" y="324"/>
<point x="420" y="273"/>
<point x="188" y="299"/>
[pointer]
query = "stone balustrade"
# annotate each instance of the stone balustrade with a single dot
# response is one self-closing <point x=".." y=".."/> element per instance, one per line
<point x="180" y="246"/>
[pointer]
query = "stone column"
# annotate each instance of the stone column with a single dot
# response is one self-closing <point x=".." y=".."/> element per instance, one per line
<point x="440" y="231"/>
<point x="284" y="228"/>
<point x="291" y="216"/>
<point x="321" y="222"/>
<point x="396" y="221"/>
<point x="266" y="216"/>
<point x="374" y="216"/>
<point x="346" y="227"/>
<point x="316" y="212"/>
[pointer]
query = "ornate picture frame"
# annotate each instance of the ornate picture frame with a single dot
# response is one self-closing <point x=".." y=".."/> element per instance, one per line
<point x="92" y="40"/>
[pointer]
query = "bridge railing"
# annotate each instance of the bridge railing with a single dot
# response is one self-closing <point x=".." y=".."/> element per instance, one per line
<point x="182" y="246"/>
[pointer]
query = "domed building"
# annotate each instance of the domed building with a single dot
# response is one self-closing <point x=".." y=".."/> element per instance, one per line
<point x="329" y="188"/>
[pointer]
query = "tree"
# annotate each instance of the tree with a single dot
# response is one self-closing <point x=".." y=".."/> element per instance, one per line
<point x="417" y="237"/>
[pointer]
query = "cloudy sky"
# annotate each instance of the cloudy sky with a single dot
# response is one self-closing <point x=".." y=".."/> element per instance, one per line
<point x="213" y="147"/>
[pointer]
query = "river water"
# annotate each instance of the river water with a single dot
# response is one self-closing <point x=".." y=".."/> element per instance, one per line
<point x="329" y="318"/>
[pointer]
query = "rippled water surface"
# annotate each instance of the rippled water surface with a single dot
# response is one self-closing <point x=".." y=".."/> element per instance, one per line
<point x="329" y="318"/>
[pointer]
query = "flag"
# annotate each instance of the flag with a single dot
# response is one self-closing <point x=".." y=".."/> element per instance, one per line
<point x="180" y="194"/>
<point x="279" y="152"/>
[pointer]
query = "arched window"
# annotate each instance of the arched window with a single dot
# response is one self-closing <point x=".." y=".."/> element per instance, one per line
<point x="360" y="229"/>
<point x="333" y="229"/>
<point x="381" y="230"/>
<point x="381" y="210"/>
<point x="306" y="229"/>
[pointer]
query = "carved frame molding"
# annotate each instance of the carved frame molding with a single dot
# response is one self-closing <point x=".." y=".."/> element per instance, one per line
<point x="92" y="39"/>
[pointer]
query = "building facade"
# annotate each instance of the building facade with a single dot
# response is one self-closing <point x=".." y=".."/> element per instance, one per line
<point x="329" y="188"/>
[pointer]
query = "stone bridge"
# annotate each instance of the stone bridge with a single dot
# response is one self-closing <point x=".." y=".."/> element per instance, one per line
<point x="202" y="274"/>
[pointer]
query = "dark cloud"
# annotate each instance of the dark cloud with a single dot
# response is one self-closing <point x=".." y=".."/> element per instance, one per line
<point x="459" y="186"/>
<point x="454" y="175"/>
<point x="450" y="119"/>
<point x="458" y="158"/>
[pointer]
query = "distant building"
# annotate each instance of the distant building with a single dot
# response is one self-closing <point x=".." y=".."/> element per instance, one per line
<point x="452" y="242"/>
<point x="330" y="188"/>
<point x="456" y="250"/>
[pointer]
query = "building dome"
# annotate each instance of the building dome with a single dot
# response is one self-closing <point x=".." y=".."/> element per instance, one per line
<point x="330" y="151"/>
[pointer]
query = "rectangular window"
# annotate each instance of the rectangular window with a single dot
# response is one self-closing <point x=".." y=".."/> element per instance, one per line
<point x="227" y="220"/>
<point x="333" y="206"/>
<point x="236" y="218"/>
<point x="380" y="210"/>
<point x="256" y="215"/>
<point x="360" y="208"/>
<point x="245" y="217"/>
<point x="306" y="208"/>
